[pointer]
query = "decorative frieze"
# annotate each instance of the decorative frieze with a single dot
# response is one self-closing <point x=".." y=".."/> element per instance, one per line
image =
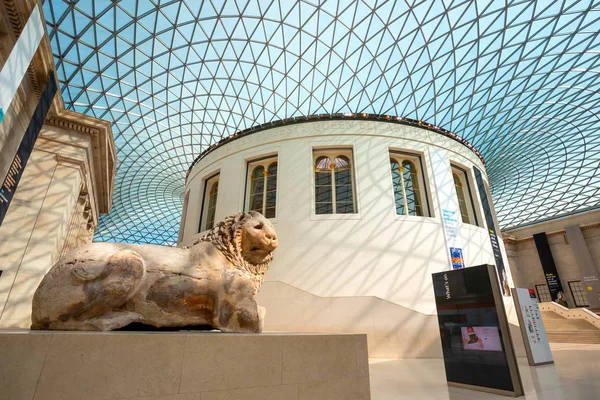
<point x="14" y="17"/>
<point x="591" y="226"/>
<point x="80" y="164"/>
<point x="68" y="124"/>
<point x="562" y="232"/>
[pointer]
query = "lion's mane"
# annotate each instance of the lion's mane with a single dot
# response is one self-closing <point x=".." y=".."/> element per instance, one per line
<point x="227" y="237"/>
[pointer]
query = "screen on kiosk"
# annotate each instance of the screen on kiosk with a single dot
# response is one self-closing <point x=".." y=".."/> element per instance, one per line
<point x="472" y="344"/>
<point x="481" y="338"/>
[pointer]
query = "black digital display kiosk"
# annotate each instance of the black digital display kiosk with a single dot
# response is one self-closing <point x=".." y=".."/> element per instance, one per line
<point x="477" y="348"/>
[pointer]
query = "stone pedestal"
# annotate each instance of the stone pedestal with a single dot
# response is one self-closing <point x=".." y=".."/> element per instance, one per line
<point x="183" y="366"/>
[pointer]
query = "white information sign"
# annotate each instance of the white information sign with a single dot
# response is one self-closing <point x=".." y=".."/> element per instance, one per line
<point x="449" y="207"/>
<point x="532" y="327"/>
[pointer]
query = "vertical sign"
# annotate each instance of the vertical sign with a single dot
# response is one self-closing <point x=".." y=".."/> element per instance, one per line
<point x="532" y="327"/>
<point x="9" y="186"/>
<point x="448" y="206"/>
<point x="476" y="343"/>
<point x="550" y="271"/>
<point x="19" y="59"/>
<point x="489" y="219"/>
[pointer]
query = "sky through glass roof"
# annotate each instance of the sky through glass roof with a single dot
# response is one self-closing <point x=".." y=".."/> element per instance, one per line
<point x="520" y="80"/>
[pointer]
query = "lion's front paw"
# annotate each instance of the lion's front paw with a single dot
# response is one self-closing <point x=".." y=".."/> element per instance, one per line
<point x="261" y="318"/>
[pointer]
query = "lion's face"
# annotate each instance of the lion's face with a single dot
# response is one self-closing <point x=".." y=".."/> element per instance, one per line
<point x="259" y="239"/>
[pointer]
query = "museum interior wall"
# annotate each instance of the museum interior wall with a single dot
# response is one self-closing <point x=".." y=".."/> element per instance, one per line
<point x="66" y="184"/>
<point x="527" y="268"/>
<point x="377" y="279"/>
<point x="63" y="190"/>
<point x="367" y="271"/>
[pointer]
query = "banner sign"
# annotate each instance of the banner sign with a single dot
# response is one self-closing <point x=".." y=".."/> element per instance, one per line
<point x="474" y="331"/>
<point x="532" y="327"/>
<point x="456" y="256"/>
<point x="489" y="219"/>
<point x="20" y="57"/>
<point x="449" y="206"/>
<point x="550" y="271"/>
<point x="9" y="186"/>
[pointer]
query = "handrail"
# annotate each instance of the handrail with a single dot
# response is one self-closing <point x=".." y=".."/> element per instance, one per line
<point x="572" y="313"/>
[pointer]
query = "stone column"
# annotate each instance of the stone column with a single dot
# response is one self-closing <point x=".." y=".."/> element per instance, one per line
<point x="35" y="255"/>
<point x="510" y="245"/>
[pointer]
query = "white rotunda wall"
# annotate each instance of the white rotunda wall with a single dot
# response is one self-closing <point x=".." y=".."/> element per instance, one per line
<point x="371" y="253"/>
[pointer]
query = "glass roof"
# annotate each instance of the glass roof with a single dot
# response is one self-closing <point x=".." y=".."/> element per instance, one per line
<point x="520" y="80"/>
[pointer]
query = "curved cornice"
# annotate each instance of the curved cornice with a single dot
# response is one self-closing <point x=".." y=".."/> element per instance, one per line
<point x="337" y="117"/>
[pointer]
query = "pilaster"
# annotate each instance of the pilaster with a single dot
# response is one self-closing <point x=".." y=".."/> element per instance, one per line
<point x="20" y="222"/>
<point x="45" y="243"/>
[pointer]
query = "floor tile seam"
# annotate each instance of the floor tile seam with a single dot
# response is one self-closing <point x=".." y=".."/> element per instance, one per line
<point x="269" y="386"/>
<point x="150" y="396"/>
<point x="550" y="390"/>
<point x="233" y="389"/>
<point x="39" y="378"/>
<point x="356" y="378"/>
<point x="239" y="388"/>
<point x="282" y="360"/>
<point x="182" y="362"/>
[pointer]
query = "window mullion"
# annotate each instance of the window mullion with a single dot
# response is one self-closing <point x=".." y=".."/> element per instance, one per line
<point x="264" y="205"/>
<point x="333" y="196"/>
<point x="401" y="168"/>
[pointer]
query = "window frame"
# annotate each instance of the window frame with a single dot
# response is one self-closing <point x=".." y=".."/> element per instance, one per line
<point x="543" y="293"/>
<point x="182" y="224"/>
<point x="578" y="295"/>
<point x="472" y="207"/>
<point x="208" y="181"/>
<point x="265" y="162"/>
<point x="417" y="160"/>
<point x="332" y="153"/>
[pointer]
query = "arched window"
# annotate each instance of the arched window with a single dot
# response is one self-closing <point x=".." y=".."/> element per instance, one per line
<point x="334" y="182"/>
<point x="263" y="186"/>
<point x="257" y="188"/>
<point x="323" y="189"/>
<point x="465" y="198"/>
<point x="209" y="203"/>
<point x="409" y="196"/>
<point x="462" y="202"/>
<point x="212" y="205"/>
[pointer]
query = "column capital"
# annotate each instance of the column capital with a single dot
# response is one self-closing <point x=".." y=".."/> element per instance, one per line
<point x="71" y="162"/>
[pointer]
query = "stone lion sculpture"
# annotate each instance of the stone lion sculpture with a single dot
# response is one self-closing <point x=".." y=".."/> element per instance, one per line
<point x="214" y="281"/>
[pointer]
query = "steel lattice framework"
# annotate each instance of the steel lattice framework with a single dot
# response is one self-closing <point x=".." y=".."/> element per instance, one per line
<point x="518" y="79"/>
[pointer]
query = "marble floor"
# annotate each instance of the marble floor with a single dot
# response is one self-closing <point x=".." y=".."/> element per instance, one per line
<point x="574" y="376"/>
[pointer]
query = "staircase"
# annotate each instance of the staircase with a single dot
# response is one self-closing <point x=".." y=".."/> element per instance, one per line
<point x="563" y="330"/>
